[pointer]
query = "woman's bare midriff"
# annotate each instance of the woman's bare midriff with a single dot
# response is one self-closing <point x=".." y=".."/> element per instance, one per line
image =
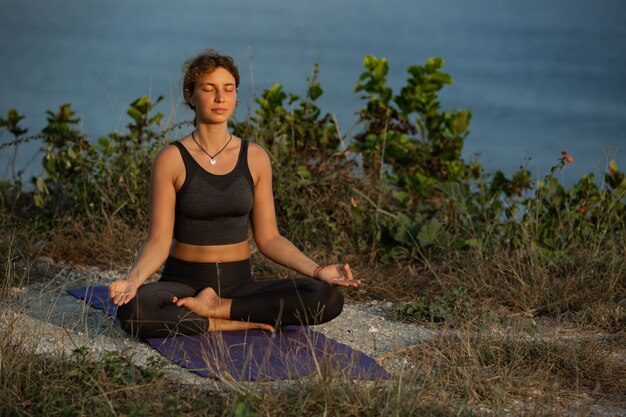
<point x="213" y="253"/>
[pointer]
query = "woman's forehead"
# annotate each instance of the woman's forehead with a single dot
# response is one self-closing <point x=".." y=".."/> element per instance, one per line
<point x="218" y="76"/>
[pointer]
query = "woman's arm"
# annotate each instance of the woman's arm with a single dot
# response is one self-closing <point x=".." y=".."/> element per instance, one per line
<point x="156" y="248"/>
<point x="265" y="231"/>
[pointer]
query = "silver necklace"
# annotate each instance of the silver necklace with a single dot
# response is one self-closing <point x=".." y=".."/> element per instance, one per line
<point x="212" y="161"/>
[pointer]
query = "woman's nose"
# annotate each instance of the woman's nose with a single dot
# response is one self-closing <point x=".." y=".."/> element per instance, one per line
<point x="219" y="96"/>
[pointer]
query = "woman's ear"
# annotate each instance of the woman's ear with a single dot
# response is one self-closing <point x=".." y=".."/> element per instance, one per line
<point x="188" y="97"/>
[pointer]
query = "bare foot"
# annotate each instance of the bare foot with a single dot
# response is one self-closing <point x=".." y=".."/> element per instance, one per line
<point x="206" y="304"/>
<point x="218" y="325"/>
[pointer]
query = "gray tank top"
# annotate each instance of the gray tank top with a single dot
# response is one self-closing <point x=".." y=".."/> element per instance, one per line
<point x="214" y="209"/>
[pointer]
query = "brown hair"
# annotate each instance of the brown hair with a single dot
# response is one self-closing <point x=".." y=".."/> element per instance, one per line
<point x="205" y="62"/>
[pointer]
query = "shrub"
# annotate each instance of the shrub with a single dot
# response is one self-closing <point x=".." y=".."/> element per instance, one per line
<point x="399" y="191"/>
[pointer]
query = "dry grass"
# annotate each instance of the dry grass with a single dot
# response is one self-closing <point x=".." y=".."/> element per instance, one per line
<point x="50" y="384"/>
<point x="78" y="244"/>
<point x="553" y="343"/>
<point x="497" y="370"/>
<point x="467" y="371"/>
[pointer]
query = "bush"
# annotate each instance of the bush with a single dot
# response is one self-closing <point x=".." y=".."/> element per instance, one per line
<point x="399" y="191"/>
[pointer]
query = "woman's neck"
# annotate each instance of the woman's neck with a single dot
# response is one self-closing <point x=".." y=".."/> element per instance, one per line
<point x="212" y="137"/>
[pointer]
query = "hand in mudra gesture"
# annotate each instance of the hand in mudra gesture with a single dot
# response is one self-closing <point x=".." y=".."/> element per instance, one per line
<point x="338" y="274"/>
<point x="121" y="292"/>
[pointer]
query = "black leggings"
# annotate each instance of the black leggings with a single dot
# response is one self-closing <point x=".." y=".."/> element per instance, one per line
<point x="280" y="302"/>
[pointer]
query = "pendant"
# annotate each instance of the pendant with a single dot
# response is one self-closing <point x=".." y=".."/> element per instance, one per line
<point x="212" y="161"/>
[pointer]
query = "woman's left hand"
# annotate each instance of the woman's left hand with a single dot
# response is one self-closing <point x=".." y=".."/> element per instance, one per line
<point x="339" y="274"/>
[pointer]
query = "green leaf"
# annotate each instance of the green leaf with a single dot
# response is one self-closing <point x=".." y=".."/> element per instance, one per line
<point x="401" y="196"/>
<point x="434" y="64"/>
<point x="473" y="243"/>
<point x="104" y="142"/>
<point x="396" y="253"/>
<point x="40" y="183"/>
<point x="134" y="114"/>
<point x="461" y="121"/>
<point x="156" y="118"/>
<point x="431" y="233"/>
<point x="40" y="202"/>
<point x="441" y="78"/>
<point x="369" y="62"/>
<point x="382" y="67"/>
<point x="315" y="91"/>
<point x="303" y="173"/>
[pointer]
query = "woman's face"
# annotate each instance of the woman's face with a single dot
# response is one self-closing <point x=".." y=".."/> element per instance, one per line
<point x="214" y="96"/>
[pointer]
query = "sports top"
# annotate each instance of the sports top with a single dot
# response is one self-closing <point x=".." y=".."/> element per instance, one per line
<point x="213" y="209"/>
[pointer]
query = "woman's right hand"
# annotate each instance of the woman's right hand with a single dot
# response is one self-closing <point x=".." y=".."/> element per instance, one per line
<point x="122" y="291"/>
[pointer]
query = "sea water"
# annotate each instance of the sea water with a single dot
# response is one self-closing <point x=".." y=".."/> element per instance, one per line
<point x="539" y="76"/>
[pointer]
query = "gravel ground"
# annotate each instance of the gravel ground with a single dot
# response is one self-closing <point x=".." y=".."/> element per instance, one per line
<point x="54" y="322"/>
<point x="43" y="316"/>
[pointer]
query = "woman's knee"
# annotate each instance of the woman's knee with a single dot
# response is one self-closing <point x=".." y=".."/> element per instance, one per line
<point x="146" y="310"/>
<point x="335" y="302"/>
<point x="129" y="314"/>
<point x="330" y="302"/>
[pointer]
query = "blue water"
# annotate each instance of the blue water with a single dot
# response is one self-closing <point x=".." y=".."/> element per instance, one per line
<point x="539" y="76"/>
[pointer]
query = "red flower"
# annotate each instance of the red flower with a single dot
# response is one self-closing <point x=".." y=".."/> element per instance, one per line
<point x="563" y="152"/>
<point x="581" y="210"/>
<point x="569" y="159"/>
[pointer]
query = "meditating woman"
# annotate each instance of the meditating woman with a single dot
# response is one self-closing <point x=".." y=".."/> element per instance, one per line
<point x="206" y="191"/>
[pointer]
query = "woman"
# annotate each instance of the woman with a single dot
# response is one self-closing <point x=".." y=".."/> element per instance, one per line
<point x="205" y="192"/>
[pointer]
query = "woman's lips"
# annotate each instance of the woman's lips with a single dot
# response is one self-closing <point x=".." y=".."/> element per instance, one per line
<point x="219" y="110"/>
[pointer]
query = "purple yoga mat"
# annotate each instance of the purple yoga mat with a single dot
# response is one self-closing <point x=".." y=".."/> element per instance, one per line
<point x="253" y="355"/>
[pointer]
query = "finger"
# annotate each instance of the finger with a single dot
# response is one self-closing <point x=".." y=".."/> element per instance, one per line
<point x="117" y="299"/>
<point x="340" y="271"/>
<point x="348" y="271"/>
<point x="350" y="282"/>
<point x="268" y="328"/>
<point x="180" y="302"/>
<point x="262" y="326"/>
<point x="345" y="283"/>
<point x="125" y="299"/>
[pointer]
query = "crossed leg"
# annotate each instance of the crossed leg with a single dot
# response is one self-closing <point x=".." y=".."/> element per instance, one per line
<point x="164" y="308"/>
<point x="153" y="312"/>
<point x="208" y="304"/>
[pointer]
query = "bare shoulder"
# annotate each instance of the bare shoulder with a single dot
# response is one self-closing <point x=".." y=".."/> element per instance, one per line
<point x="169" y="151"/>
<point x="168" y="165"/>
<point x="258" y="161"/>
<point x="168" y="156"/>
<point x="256" y="151"/>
